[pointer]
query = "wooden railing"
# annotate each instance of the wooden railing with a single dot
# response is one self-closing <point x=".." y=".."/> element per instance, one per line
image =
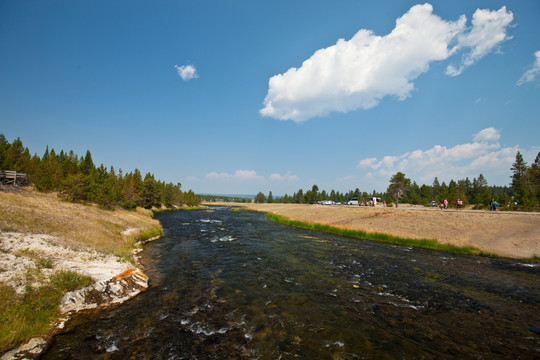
<point x="8" y="177"/>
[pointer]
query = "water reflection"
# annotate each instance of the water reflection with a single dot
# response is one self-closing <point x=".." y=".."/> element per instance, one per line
<point x="232" y="285"/>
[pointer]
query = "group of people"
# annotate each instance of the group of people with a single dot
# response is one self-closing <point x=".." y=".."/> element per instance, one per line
<point x="493" y="204"/>
<point x="444" y="204"/>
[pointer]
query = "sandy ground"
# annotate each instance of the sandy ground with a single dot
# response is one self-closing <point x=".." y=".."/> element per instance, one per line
<point x="507" y="234"/>
<point x="36" y="257"/>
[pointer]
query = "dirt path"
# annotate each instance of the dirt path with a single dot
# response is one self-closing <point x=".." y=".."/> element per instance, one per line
<point x="508" y="234"/>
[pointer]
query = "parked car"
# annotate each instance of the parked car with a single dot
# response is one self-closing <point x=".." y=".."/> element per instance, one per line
<point x="433" y="203"/>
<point x="352" y="201"/>
<point x="327" y="202"/>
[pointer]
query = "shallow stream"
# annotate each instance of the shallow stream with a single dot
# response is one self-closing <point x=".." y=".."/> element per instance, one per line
<point x="230" y="284"/>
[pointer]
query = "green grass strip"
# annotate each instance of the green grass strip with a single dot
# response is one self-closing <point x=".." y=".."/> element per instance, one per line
<point x="24" y="316"/>
<point x="359" y="234"/>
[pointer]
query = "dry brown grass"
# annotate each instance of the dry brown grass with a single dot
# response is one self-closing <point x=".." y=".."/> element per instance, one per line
<point x="77" y="225"/>
<point x="506" y="234"/>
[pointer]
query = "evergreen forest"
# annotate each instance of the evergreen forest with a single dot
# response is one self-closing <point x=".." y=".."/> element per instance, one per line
<point x="522" y="193"/>
<point x="78" y="179"/>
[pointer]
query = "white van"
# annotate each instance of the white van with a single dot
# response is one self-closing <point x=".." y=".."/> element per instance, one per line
<point x="352" y="201"/>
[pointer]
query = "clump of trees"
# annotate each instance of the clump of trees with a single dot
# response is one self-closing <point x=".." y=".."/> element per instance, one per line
<point x="78" y="179"/>
<point x="314" y="195"/>
<point x="526" y="183"/>
<point x="522" y="194"/>
<point x="475" y="191"/>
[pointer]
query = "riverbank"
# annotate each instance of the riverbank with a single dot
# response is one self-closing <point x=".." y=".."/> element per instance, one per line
<point x="506" y="234"/>
<point x="42" y="239"/>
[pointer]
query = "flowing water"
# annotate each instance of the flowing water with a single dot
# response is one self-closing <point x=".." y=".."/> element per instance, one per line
<point x="230" y="284"/>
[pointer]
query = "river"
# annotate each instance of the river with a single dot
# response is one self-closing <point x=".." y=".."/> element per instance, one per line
<point x="227" y="283"/>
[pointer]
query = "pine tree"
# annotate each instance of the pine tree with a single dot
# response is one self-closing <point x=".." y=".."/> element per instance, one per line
<point x="4" y="147"/>
<point x="299" y="196"/>
<point x="17" y="157"/>
<point x="534" y="180"/>
<point x="436" y="187"/>
<point x="260" y="198"/>
<point x="519" y="181"/>
<point x="150" y="193"/>
<point x="463" y="187"/>
<point x="426" y="193"/>
<point x="87" y="165"/>
<point x="43" y="177"/>
<point x="398" y="184"/>
<point x="452" y="192"/>
<point x="483" y="193"/>
<point x="74" y="188"/>
<point x="414" y="196"/>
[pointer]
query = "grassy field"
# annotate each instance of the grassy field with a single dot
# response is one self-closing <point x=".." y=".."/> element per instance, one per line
<point x="75" y="226"/>
<point x="506" y="234"/>
<point x="115" y="232"/>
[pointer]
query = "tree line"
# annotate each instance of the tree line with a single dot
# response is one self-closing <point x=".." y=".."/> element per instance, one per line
<point x="78" y="179"/>
<point x="523" y="192"/>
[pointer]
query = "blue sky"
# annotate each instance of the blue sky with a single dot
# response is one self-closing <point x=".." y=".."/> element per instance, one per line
<point x="246" y="96"/>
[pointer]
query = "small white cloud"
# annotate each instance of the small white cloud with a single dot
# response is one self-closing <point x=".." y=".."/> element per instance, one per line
<point x="531" y="74"/>
<point x="286" y="177"/>
<point x="248" y="181"/>
<point x="368" y="162"/>
<point x="186" y="72"/>
<point x="488" y="31"/>
<point x="216" y="176"/>
<point x="238" y="175"/>
<point x="245" y="174"/>
<point x="249" y="175"/>
<point x="488" y="134"/>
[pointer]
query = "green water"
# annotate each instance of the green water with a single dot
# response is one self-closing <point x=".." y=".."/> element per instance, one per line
<point x="234" y="285"/>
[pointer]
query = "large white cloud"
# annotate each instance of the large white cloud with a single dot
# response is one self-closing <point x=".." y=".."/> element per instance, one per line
<point x="484" y="155"/>
<point x="359" y="72"/>
<point x="531" y="74"/>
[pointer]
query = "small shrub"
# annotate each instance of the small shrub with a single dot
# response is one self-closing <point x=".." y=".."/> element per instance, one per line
<point x="45" y="263"/>
<point x="26" y="253"/>
<point x="148" y="234"/>
<point x="67" y="280"/>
